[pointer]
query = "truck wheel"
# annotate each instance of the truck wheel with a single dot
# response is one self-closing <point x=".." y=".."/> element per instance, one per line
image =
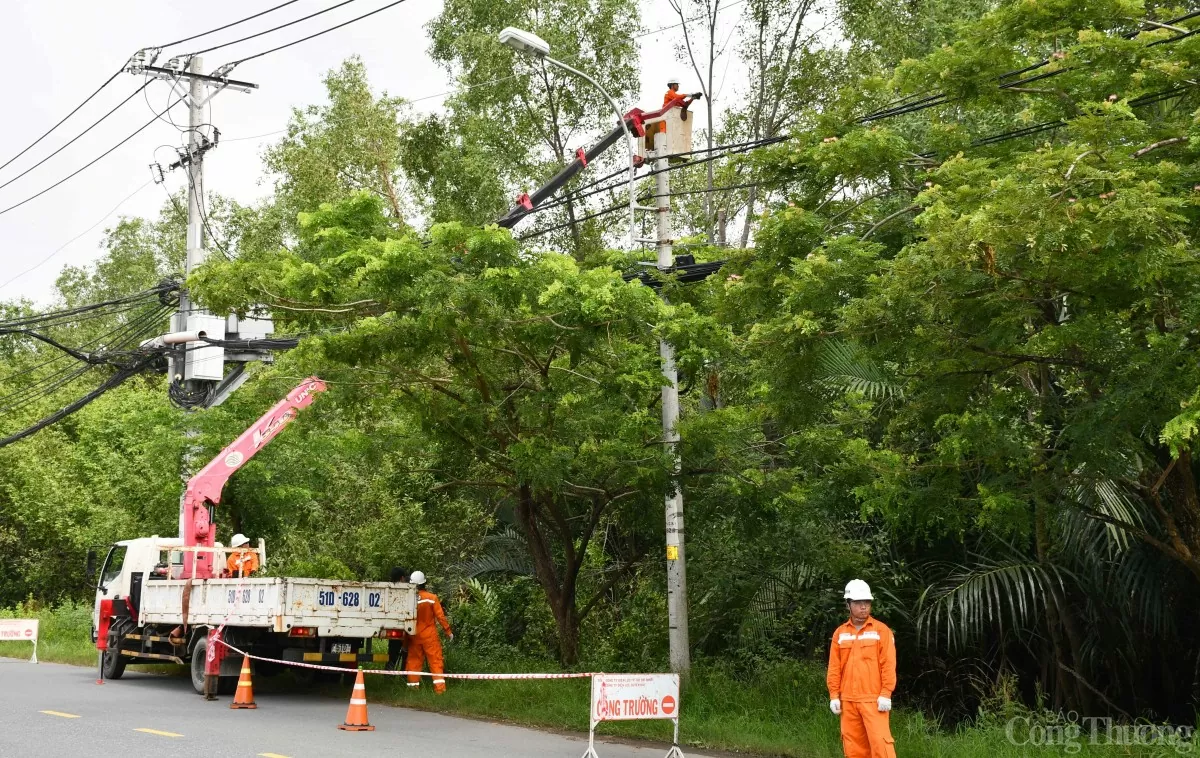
<point x="114" y="664"/>
<point x="197" y="666"/>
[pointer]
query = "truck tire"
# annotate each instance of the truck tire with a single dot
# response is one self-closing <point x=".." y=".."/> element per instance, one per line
<point x="197" y="664"/>
<point x="114" y="663"/>
<point x="226" y="685"/>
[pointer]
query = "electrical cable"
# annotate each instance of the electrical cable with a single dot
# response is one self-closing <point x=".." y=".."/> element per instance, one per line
<point x="113" y="344"/>
<point x="204" y="218"/>
<point x="147" y="294"/>
<point x="318" y="34"/>
<point x="47" y="133"/>
<point x="74" y="139"/>
<point x="941" y="98"/>
<point x="272" y="29"/>
<point x="731" y="149"/>
<point x="717" y="153"/>
<point x="226" y="26"/>
<point x="86" y="166"/>
<point x="117" y="379"/>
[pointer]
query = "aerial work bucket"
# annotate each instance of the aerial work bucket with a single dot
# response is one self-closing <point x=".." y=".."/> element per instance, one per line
<point x="678" y="124"/>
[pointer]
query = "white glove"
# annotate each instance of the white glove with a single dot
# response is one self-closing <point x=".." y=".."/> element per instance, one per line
<point x="885" y="704"/>
<point x="451" y="637"/>
<point x="835" y="705"/>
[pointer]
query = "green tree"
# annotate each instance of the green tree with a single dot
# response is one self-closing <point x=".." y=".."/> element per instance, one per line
<point x="532" y="378"/>
<point x="521" y="118"/>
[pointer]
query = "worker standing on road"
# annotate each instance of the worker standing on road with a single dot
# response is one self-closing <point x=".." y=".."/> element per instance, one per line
<point x="424" y="644"/>
<point x="861" y="677"/>
<point x="396" y="646"/>
<point x="241" y="562"/>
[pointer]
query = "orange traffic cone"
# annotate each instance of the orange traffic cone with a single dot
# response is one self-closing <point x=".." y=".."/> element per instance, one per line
<point x="356" y="716"/>
<point x="244" y="697"/>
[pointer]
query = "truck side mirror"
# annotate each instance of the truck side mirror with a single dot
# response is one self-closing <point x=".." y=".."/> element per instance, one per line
<point x="91" y="565"/>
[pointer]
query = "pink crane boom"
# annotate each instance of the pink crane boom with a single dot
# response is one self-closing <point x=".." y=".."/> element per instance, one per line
<point x="204" y="489"/>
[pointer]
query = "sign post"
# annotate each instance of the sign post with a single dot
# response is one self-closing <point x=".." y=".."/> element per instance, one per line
<point x="625" y="697"/>
<point x="20" y="630"/>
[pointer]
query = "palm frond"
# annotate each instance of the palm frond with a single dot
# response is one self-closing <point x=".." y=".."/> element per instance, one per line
<point x="504" y="552"/>
<point x="987" y="596"/>
<point x="777" y="597"/>
<point x="1081" y="532"/>
<point x="846" y="366"/>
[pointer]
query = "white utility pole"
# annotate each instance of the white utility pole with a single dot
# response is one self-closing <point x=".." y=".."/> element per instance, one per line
<point x="198" y="370"/>
<point x="677" y="607"/>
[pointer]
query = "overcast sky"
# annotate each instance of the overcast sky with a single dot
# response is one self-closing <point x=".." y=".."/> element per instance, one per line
<point x="56" y="53"/>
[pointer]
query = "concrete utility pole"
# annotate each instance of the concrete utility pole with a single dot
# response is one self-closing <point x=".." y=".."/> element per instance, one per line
<point x="196" y="371"/>
<point x="677" y="607"/>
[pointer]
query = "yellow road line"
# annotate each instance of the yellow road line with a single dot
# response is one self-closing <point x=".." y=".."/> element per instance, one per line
<point x="160" y="734"/>
<point x="60" y="714"/>
<point x="271" y="755"/>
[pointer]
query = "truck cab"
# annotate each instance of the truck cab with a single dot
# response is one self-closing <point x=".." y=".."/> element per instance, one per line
<point x="129" y="563"/>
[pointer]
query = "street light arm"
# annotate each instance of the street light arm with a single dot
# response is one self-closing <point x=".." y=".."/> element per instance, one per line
<point x="624" y="128"/>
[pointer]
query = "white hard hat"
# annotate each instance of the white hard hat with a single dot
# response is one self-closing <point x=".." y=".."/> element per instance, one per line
<point x="673" y="80"/>
<point x="417" y="577"/>
<point x="238" y="540"/>
<point x="857" y="589"/>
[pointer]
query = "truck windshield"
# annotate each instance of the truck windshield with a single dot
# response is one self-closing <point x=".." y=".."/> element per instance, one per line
<point x="112" y="564"/>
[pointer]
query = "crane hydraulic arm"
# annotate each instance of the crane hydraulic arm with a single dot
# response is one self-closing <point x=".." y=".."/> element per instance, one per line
<point x="204" y="489"/>
<point x="634" y="122"/>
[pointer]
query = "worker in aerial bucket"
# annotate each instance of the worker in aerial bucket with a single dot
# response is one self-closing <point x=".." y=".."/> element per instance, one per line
<point x="242" y="561"/>
<point x="423" y="644"/>
<point x="672" y="97"/>
<point x="862" y="676"/>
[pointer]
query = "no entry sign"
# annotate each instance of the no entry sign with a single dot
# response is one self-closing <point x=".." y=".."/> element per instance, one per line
<point x="624" y="697"/>
<point x="20" y="630"/>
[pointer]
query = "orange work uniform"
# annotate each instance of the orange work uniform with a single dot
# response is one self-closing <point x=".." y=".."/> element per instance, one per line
<point x="424" y="645"/>
<point x="862" y="668"/>
<point x="242" y="563"/>
<point x="672" y="96"/>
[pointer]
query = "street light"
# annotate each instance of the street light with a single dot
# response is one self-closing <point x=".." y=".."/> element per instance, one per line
<point x="528" y="43"/>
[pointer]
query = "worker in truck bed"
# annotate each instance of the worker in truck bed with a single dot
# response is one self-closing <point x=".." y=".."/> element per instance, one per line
<point x="424" y="644"/>
<point x="241" y="562"/>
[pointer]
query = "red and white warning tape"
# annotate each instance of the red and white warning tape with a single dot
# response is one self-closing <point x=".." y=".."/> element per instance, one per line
<point x="385" y="672"/>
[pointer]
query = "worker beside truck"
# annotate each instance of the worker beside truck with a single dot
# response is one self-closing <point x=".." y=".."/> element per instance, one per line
<point x="424" y="644"/>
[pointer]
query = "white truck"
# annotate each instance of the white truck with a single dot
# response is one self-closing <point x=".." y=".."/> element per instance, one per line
<point x="158" y="619"/>
<point x="158" y="597"/>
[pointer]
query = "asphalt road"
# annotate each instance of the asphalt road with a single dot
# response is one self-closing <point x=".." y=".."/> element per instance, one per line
<point x="50" y="710"/>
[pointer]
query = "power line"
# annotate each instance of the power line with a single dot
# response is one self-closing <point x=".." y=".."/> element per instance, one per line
<point x="226" y="26"/>
<point x="88" y="165"/>
<point x="117" y="379"/>
<point x="157" y="291"/>
<point x="120" y="71"/>
<point x="76" y="137"/>
<point x="318" y="34"/>
<point x="941" y="98"/>
<point x="272" y="29"/>
<point x="76" y="109"/>
<point x="113" y="344"/>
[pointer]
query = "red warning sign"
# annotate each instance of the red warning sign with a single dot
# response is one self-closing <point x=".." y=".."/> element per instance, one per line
<point x="618" y="697"/>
